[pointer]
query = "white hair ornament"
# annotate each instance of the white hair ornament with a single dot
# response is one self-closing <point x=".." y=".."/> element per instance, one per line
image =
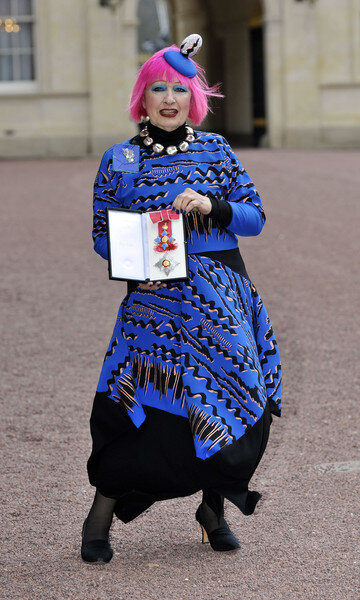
<point x="191" y="45"/>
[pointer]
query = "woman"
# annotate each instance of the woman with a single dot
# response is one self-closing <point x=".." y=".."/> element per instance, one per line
<point x="192" y="371"/>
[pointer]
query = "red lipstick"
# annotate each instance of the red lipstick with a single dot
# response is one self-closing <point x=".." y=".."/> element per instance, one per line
<point x="168" y="112"/>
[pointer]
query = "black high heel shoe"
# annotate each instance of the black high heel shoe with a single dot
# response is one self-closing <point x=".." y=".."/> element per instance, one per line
<point x="96" y="551"/>
<point x="221" y="539"/>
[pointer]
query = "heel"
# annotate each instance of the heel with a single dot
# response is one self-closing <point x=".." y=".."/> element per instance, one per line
<point x="220" y="539"/>
<point x="205" y="538"/>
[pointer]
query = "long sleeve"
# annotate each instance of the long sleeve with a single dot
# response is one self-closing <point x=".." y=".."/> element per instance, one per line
<point x="221" y="211"/>
<point x="104" y="195"/>
<point x="248" y="215"/>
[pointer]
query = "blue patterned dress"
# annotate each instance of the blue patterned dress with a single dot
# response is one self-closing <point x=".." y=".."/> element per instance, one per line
<point x="192" y="370"/>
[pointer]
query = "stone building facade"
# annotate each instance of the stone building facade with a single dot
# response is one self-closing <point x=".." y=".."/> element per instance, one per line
<point x="290" y="71"/>
<point x="311" y="51"/>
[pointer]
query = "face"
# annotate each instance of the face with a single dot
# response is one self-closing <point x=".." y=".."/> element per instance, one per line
<point x="167" y="104"/>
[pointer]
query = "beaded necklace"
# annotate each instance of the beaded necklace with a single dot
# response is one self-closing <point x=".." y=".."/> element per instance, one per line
<point x="172" y="141"/>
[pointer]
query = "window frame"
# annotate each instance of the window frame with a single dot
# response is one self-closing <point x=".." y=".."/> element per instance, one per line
<point x="23" y="85"/>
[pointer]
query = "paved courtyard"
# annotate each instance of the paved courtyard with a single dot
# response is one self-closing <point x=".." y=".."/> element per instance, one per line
<point x="57" y="313"/>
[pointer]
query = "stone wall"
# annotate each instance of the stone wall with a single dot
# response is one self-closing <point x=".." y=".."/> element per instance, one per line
<point x="86" y="59"/>
<point x="313" y="73"/>
<point x="312" y="58"/>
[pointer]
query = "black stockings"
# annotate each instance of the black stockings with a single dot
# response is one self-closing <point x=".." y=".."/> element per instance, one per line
<point x="212" y="509"/>
<point x="100" y="516"/>
<point x="99" y="519"/>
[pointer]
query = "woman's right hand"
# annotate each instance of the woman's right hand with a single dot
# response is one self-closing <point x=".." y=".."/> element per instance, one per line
<point x="152" y="286"/>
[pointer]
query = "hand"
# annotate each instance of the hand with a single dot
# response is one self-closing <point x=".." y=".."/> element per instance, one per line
<point x="190" y="200"/>
<point x="152" y="286"/>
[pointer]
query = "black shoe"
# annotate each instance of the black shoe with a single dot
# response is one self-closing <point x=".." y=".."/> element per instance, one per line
<point x="221" y="539"/>
<point x="95" y="551"/>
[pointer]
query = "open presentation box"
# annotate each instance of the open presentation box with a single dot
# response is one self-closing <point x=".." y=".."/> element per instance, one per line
<point x="146" y="246"/>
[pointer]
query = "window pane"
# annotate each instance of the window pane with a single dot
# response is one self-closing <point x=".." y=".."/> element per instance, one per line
<point x="6" y="68"/>
<point x="16" y="41"/>
<point x="5" y="8"/>
<point x="5" y="40"/>
<point x="26" y="67"/>
<point x="22" y="38"/>
<point x="24" y="7"/>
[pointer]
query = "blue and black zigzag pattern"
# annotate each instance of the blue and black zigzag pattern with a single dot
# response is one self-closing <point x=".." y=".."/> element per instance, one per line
<point x="203" y="348"/>
<point x="208" y="167"/>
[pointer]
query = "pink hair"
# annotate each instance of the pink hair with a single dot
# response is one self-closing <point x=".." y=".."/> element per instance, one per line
<point x="156" y="68"/>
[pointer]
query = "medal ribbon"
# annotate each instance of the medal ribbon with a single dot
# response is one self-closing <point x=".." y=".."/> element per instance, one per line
<point x="163" y="218"/>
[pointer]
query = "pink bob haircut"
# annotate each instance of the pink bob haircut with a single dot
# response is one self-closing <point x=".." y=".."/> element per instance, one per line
<point x="156" y="68"/>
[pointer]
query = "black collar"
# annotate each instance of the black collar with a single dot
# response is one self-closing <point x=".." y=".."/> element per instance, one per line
<point x="167" y="138"/>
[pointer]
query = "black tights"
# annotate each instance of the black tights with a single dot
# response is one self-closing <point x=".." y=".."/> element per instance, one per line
<point x="212" y="509"/>
<point x="100" y="517"/>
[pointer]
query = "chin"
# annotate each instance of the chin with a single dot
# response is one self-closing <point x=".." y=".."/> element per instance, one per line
<point x="173" y="123"/>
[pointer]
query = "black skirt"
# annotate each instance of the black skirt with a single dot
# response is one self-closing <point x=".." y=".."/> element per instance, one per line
<point x="157" y="461"/>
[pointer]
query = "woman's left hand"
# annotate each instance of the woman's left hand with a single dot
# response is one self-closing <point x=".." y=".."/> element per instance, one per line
<point x="190" y="200"/>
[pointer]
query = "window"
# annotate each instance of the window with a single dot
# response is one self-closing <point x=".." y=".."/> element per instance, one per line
<point x="16" y="40"/>
<point x="154" y="27"/>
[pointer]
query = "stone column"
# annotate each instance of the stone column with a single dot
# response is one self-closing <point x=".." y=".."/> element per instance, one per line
<point x="301" y="62"/>
<point x="238" y="77"/>
<point x="112" y="53"/>
<point x="190" y="16"/>
<point x="274" y="71"/>
<point x="187" y="16"/>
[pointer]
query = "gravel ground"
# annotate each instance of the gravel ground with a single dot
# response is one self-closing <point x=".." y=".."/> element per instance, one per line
<point x="58" y="311"/>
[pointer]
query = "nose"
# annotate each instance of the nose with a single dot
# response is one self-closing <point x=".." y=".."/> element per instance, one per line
<point x="169" y="98"/>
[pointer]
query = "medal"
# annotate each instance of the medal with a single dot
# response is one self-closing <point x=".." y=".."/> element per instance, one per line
<point x="165" y="241"/>
<point x="165" y="264"/>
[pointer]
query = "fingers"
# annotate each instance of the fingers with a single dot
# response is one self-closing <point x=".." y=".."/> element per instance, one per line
<point x="182" y="202"/>
<point x="192" y="205"/>
<point x="190" y="200"/>
<point x="150" y="285"/>
<point x="159" y="284"/>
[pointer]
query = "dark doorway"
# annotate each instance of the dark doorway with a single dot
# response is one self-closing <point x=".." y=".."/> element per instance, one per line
<point x="257" y="83"/>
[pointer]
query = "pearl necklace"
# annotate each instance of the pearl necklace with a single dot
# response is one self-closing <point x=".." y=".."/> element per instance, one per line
<point x="158" y="148"/>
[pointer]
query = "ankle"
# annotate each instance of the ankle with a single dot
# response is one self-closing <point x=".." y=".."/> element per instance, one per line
<point x="214" y="501"/>
<point x="209" y="518"/>
<point x="96" y="529"/>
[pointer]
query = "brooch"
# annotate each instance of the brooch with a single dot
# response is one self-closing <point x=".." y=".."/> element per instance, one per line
<point x="129" y="154"/>
<point x="126" y="158"/>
